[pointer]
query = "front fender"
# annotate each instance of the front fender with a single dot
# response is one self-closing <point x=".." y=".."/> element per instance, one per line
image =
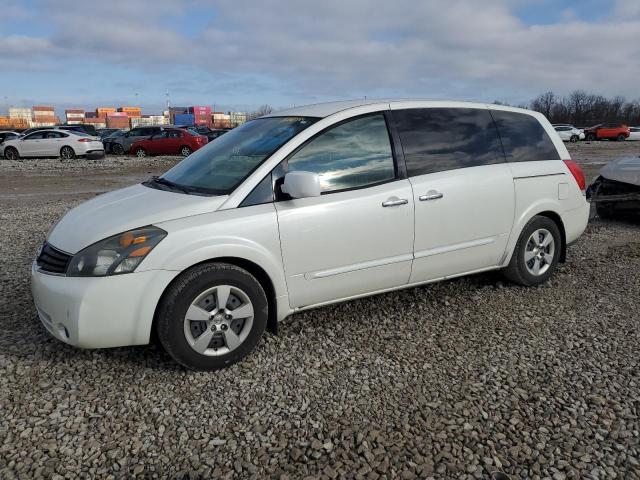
<point x="249" y="233"/>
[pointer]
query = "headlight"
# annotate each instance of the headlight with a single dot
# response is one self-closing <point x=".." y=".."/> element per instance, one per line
<point x="121" y="253"/>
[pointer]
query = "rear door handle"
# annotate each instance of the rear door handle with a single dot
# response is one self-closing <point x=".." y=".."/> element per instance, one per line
<point x="430" y="196"/>
<point x="395" y="203"/>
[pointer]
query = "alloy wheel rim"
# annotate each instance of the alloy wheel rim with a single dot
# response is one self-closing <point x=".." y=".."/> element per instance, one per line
<point x="66" y="153"/>
<point x="218" y="320"/>
<point x="141" y="153"/>
<point x="186" y="152"/>
<point x="539" y="252"/>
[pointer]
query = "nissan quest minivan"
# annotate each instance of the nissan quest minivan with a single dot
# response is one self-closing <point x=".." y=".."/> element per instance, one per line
<point x="306" y="207"/>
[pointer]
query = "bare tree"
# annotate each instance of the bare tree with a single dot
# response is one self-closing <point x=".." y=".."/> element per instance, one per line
<point x="584" y="109"/>
<point x="261" y="111"/>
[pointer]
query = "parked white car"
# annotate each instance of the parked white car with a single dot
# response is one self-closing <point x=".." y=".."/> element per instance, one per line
<point x="52" y="143"/>
<point x="634" y="133"/>
<point x="307" y="207"/>
<point x="569" y="133"/>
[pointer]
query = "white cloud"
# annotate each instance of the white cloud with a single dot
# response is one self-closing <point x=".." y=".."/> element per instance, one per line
<point x="337" y="48"/>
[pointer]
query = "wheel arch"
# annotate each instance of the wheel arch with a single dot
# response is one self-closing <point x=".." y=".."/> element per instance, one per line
<point x="544" y="211"/>
<point x="253" y="268"/>
<point x="66" y="145"/>
<point x="563" y="234"/>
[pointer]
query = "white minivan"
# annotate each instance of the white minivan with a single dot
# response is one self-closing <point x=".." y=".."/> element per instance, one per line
<point x="306" y="207"/>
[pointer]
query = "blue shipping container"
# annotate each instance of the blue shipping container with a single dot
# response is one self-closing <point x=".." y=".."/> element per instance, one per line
<point x="184" y="119"/>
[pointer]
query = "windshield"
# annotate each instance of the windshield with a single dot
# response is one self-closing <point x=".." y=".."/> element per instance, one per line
<point x="220" y="166"/>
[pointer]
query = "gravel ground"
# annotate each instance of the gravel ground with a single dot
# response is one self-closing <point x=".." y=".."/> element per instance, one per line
<point x="454" y="380"/>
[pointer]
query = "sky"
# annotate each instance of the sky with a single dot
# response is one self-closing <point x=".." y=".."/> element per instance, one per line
<point x="237" y="55"/>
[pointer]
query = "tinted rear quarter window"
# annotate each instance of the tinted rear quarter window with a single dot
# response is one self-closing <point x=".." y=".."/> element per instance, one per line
<point x="439" y="139"/>
<point x="523" y="137"/>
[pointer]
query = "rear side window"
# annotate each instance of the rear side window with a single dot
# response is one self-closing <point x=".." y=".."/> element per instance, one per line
<point x="523" y="138"/>
<point x="354" y="154"/>
<point x="439" y="139"/>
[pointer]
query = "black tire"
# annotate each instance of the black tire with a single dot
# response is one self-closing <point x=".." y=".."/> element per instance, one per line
<point x="574" y="139"/>
<point x="178" y="298"/>
<point x="621" y="138"/>
<point x="185" y="151"/>
<point x="117" y="149"/>
<point x="517" y="271"/>
<point x="590" y="137"/>
<point x="140" y="152"/>
<point x="11" y="153"/>
<point x="67" y="153"/>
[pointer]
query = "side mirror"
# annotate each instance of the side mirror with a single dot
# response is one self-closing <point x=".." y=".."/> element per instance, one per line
<point x="301" y="184"/>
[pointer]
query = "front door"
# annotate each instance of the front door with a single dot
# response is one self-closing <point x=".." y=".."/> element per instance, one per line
<point x="357" y="237"/>
<point x="463" y="190"/>
<point x="31" y="145"/>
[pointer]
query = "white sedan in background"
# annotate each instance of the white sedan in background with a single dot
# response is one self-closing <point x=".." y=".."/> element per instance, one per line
<point x="569" y="133"/>
<point x="634" y="133"/>
<point x="53" y="143"/>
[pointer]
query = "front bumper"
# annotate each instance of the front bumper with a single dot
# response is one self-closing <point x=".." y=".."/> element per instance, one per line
<point x="99" y="312"/>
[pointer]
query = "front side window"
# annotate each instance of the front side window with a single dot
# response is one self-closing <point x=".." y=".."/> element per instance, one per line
<point x="523" y="137"/>
<point x="220" y="166"/>
<point x="439" y="139"/>
<point x="35" y="135"/>
<point x="354" y="154"/>
<point x="160" y="135"/>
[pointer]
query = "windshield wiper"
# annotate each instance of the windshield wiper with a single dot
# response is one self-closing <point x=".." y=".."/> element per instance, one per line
<point x="170" y="184"/>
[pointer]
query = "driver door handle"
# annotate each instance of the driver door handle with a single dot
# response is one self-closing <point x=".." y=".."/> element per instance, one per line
<point x="430" y="196"/>
<point x="395" y="202"/>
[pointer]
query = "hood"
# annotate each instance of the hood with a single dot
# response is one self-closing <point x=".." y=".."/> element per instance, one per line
<point x="121" y="210"/>
<point x="626" y="170"/>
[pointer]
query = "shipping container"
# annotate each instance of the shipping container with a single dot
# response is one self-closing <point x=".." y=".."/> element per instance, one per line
<point x="183" y="119"/>
<point x="117" y="114"/>
<point x="91" y="115"/>
<point x="118" y="122"/>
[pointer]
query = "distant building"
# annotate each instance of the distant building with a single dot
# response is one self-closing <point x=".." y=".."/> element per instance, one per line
<point x="237" y="118"/>
<point x="221" y="120"/>
<point x="149" y="120"/>
<point x="20" y="117"/>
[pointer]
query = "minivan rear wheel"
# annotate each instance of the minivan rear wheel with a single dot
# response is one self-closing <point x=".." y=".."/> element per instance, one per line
<point x="212" y="316"/>
<point x="536" y="254"/>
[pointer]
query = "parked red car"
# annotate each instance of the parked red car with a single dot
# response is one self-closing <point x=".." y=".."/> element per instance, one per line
<point x="609" y="131"/>
<point x="170" y="141"/>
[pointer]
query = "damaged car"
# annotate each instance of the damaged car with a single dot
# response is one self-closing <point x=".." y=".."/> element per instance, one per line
<point x="616" y="191"/>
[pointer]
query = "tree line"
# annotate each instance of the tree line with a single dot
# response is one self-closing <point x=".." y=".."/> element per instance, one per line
<point x="582" y="109"/>
<point x="579" y="108"/>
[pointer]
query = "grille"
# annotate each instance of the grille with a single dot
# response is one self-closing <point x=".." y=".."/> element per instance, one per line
<point x="53" y="260"/>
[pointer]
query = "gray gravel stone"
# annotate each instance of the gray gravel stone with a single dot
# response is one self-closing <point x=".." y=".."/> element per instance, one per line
<point x="459" y="379"/>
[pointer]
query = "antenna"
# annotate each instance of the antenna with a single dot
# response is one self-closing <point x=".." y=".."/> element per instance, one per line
<point x="167" y="95"/>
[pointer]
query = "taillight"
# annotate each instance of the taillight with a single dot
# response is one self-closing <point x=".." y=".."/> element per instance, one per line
<point x="577" y="173"/>
<point x="84" y="139"/>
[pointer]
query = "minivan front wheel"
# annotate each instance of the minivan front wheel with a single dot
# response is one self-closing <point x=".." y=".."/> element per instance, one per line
<point x="212" y="316"/>
<point x="536" y="254"/>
